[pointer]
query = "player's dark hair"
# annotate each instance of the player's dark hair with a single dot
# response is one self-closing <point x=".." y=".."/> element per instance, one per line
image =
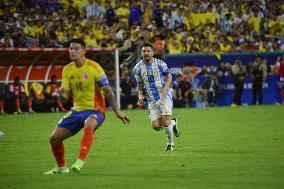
<point x="80" y="41"/>
<point x="148" y="44"/>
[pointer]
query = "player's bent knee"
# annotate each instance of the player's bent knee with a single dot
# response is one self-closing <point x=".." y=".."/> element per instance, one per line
<point x="53" y="139"/>
<point x="166" y="121"/>
<point x="156" y="128"/>
<point x="91" y="123"/>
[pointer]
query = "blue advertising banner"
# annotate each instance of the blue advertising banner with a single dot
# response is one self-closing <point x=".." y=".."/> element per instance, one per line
<point x="271" y="89"/>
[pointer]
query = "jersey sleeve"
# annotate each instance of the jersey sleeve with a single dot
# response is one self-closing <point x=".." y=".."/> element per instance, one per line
<point x="65" y="83"/>
<point x="165" y="70"/>
<point x="100" y="77"/>
<point x="137" y="75"/>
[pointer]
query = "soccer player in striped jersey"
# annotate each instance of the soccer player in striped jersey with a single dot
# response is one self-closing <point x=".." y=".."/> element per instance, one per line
<point x="154" y="76"/>
<point x="87" y="82"/>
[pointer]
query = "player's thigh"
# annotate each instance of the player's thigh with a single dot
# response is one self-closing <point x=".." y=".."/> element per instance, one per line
<point x="73" y="121"/>
<point x="166" y="120"/>
<point x="90" y="122"/>
<point x="156" y="124"/>
<point x="59" y="134"/>
<point x="154" y="114"/>
<point x="94" y="120"/>
<point x="167" y="107"/>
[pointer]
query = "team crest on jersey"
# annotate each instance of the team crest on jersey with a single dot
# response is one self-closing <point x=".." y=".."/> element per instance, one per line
<point x="85" y="76"/>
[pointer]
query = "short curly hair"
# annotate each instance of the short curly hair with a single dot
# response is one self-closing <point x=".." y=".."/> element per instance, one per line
<point x="80" y="41"/>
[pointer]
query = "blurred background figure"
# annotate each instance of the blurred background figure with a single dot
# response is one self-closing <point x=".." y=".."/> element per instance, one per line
<point x="3" y="94"/>
<point x="128" y="93"/>
<point x="37" y="96"/>
<point x="53" y="100"/>
<point x="198" y="94"/>
<point x="280" y="69"/>
<point x="159" y="46"/>
<point x="19" y="97"/>
<point x="239" y="73"/>
<point x="258" y="75"/>
<point x="181" y="91"/>
<point x="211" y="89"/>
<point x="223" y="70"/>
<point x="7" y="41"/>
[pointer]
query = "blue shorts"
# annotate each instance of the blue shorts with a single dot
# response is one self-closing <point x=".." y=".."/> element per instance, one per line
<point x="74" y="121"/>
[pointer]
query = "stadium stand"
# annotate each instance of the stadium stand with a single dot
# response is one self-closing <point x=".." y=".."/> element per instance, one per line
<point x="233" y="25"/>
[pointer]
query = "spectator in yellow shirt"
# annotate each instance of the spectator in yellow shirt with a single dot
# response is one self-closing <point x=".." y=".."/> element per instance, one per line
<point x="91" y="40"/>
<point x="123" y="12"/>
<point x="147" y="14"/>
<point x="255" y="22"/>
<point x="29" y="31"/>
<point x="225" y="46"/>
<point x="174" y="47"/>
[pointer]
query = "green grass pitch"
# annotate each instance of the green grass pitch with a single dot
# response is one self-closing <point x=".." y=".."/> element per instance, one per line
<point x="223" y="147"/>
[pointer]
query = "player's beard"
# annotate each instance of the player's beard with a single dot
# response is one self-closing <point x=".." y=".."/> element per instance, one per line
<point x="147" y="59"/>
<point x="73" y="56"/>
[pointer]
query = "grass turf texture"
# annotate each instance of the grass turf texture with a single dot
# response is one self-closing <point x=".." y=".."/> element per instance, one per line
<point x="218" y="148"/>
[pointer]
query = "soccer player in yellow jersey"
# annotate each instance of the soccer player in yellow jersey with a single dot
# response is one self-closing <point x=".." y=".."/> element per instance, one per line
<point x="86" y="80"/>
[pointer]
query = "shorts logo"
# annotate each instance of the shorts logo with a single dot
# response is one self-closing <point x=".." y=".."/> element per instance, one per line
<point x="85" y="76"/>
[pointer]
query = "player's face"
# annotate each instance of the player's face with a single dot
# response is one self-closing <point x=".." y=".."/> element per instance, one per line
<point x="147" y="53"/>
<point x="76" y="51"/>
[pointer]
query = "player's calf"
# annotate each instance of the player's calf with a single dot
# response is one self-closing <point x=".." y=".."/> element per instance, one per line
<point x="175" y="127"/>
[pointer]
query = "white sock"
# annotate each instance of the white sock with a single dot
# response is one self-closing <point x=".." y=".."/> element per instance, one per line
<point x="173" y="122"/>
<point x="170" y="134"/>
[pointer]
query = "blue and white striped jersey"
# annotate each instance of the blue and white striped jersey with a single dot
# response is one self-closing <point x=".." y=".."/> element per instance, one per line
<point x="152" y="77"/>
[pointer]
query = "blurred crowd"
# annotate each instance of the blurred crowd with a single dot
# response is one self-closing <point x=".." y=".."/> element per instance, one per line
<point x="181" y="26"/>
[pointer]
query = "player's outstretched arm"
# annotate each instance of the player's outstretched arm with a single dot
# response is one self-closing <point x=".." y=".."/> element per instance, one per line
<point x="109" y="94"/>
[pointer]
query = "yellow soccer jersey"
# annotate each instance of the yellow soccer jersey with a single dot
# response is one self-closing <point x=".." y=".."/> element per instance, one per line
<point x="85" y="83"/>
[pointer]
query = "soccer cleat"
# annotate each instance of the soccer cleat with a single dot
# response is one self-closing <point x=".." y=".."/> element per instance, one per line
<point x="77" y="166"/>
<point x="175" y="128"/>
<point x="3" y="113"/>
<point x="169" y="148"/>
<point x="234" y="105"/>
<point x="57" y="170"/>
<point x="31" y="111"/>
